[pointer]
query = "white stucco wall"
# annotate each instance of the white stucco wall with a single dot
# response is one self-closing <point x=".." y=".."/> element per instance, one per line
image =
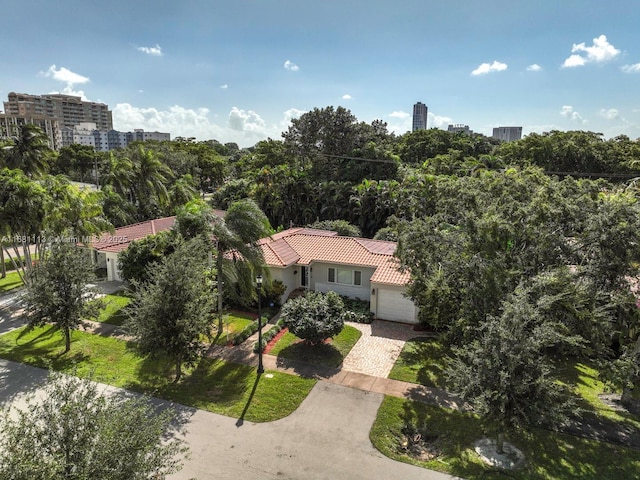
<point x="113" y="273"/>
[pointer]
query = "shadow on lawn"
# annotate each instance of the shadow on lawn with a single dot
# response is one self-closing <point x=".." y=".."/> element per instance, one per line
<point x="324" y="355"/>
<point x="212" y="381"/>
<point x="429" y="355"/>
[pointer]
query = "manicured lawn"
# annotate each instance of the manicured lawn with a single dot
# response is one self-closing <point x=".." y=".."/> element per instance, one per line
<point x="213" y="385"/>
<point x="327" y="354"/>
<point x="11" y="281"/>
<point x="234" y="322"/>
<point x="421" y="361"/>
<point x="549" y="455"/>
<point x="113" y="311"/>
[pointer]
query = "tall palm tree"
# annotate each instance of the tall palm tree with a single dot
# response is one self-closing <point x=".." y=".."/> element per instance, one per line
<point x="119" y="174"/>
<point x="22" y="215"/>
<point x="30" y="151"/>
<point x="238" y="254"/>
<point x="150" y="179"/>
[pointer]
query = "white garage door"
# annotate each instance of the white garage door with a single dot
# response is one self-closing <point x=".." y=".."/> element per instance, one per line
<point x="392" y="305"/>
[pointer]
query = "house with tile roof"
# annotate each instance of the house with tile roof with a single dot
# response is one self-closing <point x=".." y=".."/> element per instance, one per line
<point x="321" y="260"/>
<point x="107" y="246"/>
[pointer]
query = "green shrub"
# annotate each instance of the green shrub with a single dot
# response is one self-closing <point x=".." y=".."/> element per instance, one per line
<point x="245" y="333"/>
<point x="314" y="317"/>
<point x="357" y="310"/>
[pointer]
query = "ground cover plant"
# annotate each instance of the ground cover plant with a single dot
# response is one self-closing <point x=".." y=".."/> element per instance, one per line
<point x="213" y="385"/>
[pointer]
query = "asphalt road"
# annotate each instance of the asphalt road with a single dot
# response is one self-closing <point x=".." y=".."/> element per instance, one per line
<point x="327" y="437"/>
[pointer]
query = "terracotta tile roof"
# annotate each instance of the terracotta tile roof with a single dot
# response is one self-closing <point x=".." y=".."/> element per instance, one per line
<point x="123" y="236"/>
<point x="298" y="246"/>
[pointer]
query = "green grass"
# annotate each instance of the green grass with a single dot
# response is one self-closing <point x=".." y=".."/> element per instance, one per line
<point x="586" y="382"/>
<point x="421" y="361"/>
<point x="234" y="323"/>
<point x="326" y="354"/>
<point x="114" y="310"/>
<point x="11" y="281"/>
<point x="549" y="455"/>
<point x="213" y="385"/>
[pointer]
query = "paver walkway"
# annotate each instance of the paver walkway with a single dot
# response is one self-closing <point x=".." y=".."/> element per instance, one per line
<point x="378" y="348"/>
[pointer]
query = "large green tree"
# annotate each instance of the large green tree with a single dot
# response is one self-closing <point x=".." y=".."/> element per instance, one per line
<point x="505" y="373"/>
<point x="58" y="292"/>
<point x="75" y="432"/>
<point x="172" y="313"/>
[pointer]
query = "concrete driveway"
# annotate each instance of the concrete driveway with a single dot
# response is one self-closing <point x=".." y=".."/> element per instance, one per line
<point x="326" y="438"/>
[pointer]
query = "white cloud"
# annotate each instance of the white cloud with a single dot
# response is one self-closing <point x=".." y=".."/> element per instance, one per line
<point x="289" y="65"/>
<point x="600" y="51"/>
<point x="399" y="114"/>
<point x="153" y="51"/>
<point x="65" y="75"/>
<point x="245" y="128"/>
<point x="438" y="121"/>
<point x="248" y="121"/>
<point x="224" y="87"/>
<point x="568" y="112"/>
<point x="610" y="114"/>
<point x="635" y="68"/>
<point x="485" y="68"/>
<point x="346" y="96"/>
<point x="534" y="67"/>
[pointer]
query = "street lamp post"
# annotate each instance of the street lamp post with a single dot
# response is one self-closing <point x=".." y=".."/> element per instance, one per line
<point x="259" y="286"/>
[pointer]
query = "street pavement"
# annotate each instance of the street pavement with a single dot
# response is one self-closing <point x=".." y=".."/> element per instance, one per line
<point x="327" y="437"/>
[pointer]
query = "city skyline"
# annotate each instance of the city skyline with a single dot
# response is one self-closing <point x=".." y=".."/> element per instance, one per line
<point x="239" y="71"/>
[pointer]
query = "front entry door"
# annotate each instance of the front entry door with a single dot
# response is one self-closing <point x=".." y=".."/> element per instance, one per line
<point x="304" y="277"/>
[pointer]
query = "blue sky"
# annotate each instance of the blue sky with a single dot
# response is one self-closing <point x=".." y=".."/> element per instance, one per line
<point x="239" y="70"/>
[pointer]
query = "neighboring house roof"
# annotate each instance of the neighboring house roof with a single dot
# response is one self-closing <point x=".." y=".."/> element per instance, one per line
<point x="123" y="236"/>
<point x="302" y="246"/>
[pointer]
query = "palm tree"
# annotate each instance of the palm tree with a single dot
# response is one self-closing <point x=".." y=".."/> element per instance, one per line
<point x="182" y="191"/>
<point x="119" y="174"/>
<point x="30" y="151"/>
<point x="22" y="214"/>
<point x="238" y="254"/>
<point x="150" y="178"/>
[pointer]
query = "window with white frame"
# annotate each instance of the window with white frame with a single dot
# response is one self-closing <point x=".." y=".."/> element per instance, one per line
<point x="344" y="276"/>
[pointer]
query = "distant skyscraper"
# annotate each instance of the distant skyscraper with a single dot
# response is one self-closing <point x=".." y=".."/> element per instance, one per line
<point x="508" y="134"/>
<point x="419" y="116"/>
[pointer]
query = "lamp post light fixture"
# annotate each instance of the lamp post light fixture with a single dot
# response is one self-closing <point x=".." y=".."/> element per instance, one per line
<point x="260" y="347"/>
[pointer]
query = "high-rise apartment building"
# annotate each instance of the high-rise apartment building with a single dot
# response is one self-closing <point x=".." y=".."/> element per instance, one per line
<point x="69" y="110"/>
<point x="507" y="134"/>
<point x="10" y="126"/>
<point x="459" y="128"/>
<point x="419" y="116"/>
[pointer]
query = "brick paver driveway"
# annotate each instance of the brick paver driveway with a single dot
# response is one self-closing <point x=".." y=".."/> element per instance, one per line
<point x="378" y="348"/>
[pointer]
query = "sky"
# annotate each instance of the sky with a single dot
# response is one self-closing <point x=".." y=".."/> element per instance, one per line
<point x="240" y="70"/>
